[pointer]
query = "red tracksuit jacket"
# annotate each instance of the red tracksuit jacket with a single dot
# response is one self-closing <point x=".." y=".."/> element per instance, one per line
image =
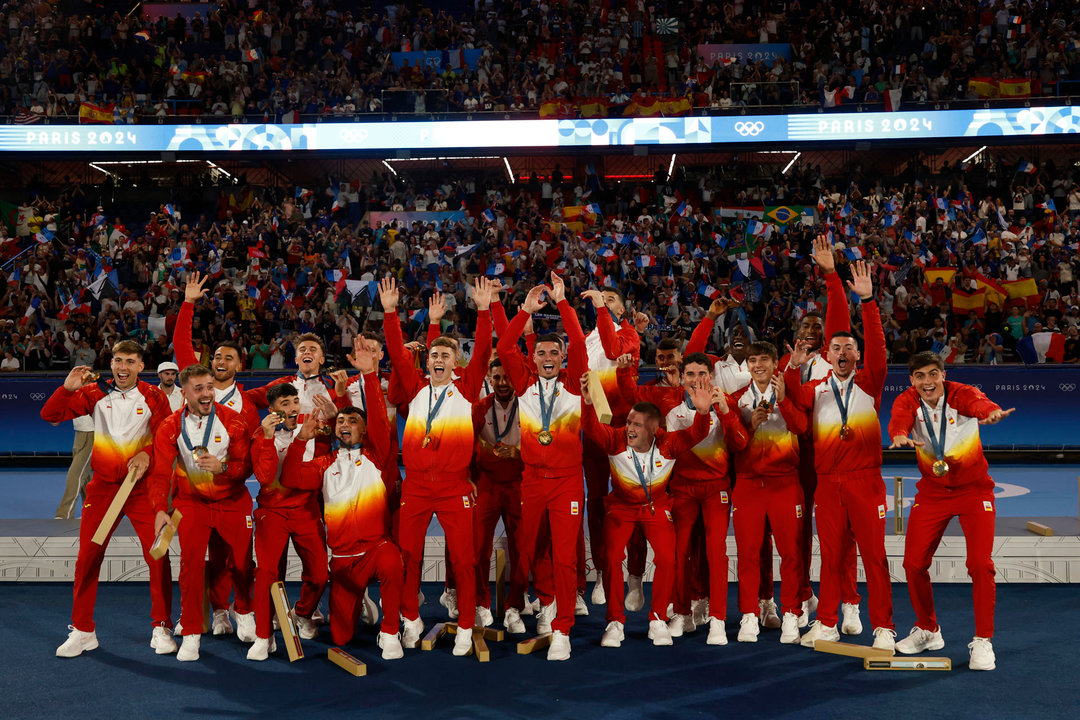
<point x="773" y="449"/>
<point x="485" y="414"/>
<point x="603" y="346"/>
<point x="963" y="406"/>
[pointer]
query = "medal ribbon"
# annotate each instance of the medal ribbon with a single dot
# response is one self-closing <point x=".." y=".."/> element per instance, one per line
<point x="547" y="409"/>
<point x="500" y="434"/>
<point x="433" y="411"/>
<point x="937" y="442"/>
<point x="842" y="404"/>
<point x="206" y="435"/>
<point x="641" y="473"/>
<point x="225" y="400"/>
<point x="758" y="400"/>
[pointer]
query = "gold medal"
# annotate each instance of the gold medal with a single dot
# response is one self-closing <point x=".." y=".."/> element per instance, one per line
<point x="652" y="508"/>
<point x="845" y="432"/>
<point x="199" y="451"/>
<point x="91" y="376"/>
<point x="544" y="437"/>
<point x="323" y="430"/>
<point x="426" y="441"/>
<point x="330" y="370"/>
<point x="940" y="468"/>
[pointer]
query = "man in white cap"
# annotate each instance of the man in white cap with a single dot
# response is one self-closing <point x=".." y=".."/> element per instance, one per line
<point x="167" y="373"/>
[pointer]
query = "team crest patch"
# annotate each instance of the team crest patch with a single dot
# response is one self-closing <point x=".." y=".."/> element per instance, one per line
<point x="723" y="497"/>
<point x="466" y="502"/>
<point x="881" y="511"/>
<point x="249" y="523"/>
<point x="575" y="507"/>
<point x="988" y="506"/>
<point x="798" y="511"/>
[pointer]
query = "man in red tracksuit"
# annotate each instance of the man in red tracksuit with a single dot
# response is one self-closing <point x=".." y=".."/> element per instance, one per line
<point x="497" y="470"/>
<point x="768" y="492"/>
<point x="437" y="448"/>
<point x="943" y="420"/>
<point x="126" y="412"/>
<point x="844" y="409"/>
<point x="225" y="363"/>
<point x="549" y="412"/>
<point x="284" y="514"/>
<point x="642" y="457"/>
<point x="810" y="335"/>
<point x="604" y="345"/>
<point x="357" y="514"/>
<point x="202" y="458"/>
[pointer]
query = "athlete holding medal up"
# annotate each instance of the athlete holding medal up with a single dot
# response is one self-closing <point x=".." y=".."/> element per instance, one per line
<point x="941" y="420"/>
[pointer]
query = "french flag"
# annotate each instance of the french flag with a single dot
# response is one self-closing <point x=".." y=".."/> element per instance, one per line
<point x="645" y="261"/>
<point x="498" y="268"/>
<point x="254" y="252"/>
<point x="142" y="36"/>
<point x="755" y="228"/>
<point x="1041" y="347"/>
<point x="684" y="210"/>
<point x="1026" y="168"/>
<point x="418" y="316"/>
<point x="853" y="254"/>
<point x="593" y="209"/>
<point x="44" y="237"/>
<point x="169" y="210"/>
<point x="178" y="256"/>
<point x="254" y="293"/>
<point x="607" y="254"/>
<point x="708" y="291"/>
<point x="251" y="55"/>
<point x="489" y="215"/>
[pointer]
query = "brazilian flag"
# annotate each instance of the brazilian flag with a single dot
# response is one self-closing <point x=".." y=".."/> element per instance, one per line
<point x="783" y="214"/>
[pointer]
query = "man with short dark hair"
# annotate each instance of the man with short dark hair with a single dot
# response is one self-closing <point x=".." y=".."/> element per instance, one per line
<point x="941" y="419"/>
<point x="126" y="412"/>
<point x="201" y="458"/>
<point x="167" y="373"/>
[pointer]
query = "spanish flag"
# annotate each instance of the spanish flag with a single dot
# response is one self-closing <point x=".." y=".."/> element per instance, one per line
<point x="679" y="106"/>
<point x="1014" y="88"/>
<point x="995" y="293"/>
<point x="946" y="274"/>
<point x="90" y="113"/>
<point x="549" y="109"/>
<point x="963" y="303"/>
<point x="1021" y="289"/>
<point x="983" y="87"/>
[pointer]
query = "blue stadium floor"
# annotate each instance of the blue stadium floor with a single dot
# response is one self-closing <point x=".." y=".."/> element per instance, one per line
<point x="1035" y="677"/>
<point x="1023" y="490"/>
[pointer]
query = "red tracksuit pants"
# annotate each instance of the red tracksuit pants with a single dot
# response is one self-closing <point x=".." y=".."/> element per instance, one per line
<point x="849" y="590"/>
<point x="455" y="515"/>
<point x="232" y="521"/>
<point x="495" y="500"/>
<point x="713" y="506"/>
<point x="853" y="503"/>
<point x="349" y="578"/>
<point x="621" y="520"/>
<point x="930" y="515"/>
<point x="99" y="496"/>
<point x="273" y="528"/>
<point x="761" y="503"/>
<point x="597" y="484"/>
<point x="556" y="502"/>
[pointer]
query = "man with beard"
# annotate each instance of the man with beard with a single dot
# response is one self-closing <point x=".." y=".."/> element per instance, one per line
<point x="941" y="420"/>
<point x="167" y="372"/>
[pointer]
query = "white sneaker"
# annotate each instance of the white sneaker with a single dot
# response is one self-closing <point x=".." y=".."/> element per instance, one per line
<point x="221" y="624"/>
<point x="580" y="607"/>
<point x="804" y="619"/>
<point x="178" y="629"/>
<point x="262" y="648"/>
<point x="162" y="641"/>
<point x="767" y="614"/>
<point x="679" y="625"/>
<point x="245" y="625"/>
<point x="635" y="598"/>
<point x="559" y="649"/>
<point x="369" y="611"/>
<point x="449" y="601"/>
<point x="544" y="618"/>
<point x="658" y="632"/>
<point x="411" y="630"/>
<point x="819" y="631"/>
<point x="811" y="604"/>
<point x="531" y="607"/>
<point x="789" y="629"/>
<point x="699" y="611"/>
<point x="77" y="643"/>
<point x="851" y="624"/>
<point x="717" y="632"/>
<point x="189" y="649"/>
<point x="920" y="641"/>
<point x="391" y="646"/>
<point x="884" y="638"/>
<point x="613" y="635"/>
<point x="463" y="642"/>
<point x="484" y="617"/>
<point x="420" y="597"/>
<point x="316" y="616"/>
<point x="512" y="622"/>
<point x="748" y="628"/>
<point x="306" y="626"/>
<point x="599" y="597"/>
<point x="982" y="654"/>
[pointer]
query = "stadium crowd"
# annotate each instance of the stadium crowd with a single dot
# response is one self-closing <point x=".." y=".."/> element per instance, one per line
<point x="968" y="262"/>
<point x="328" y="57"/>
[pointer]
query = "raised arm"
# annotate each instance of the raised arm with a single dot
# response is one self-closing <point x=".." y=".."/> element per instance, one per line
<point x="515" y="363"/>
<point x="577" y="363"/>
<point x="735" y="435"/>
<point x="972" y="402"/>
<point x="400" y="360"/>
<point x="378" y="425"/>
<point x="902" y="418"/>
<point x="874" y="355"/>
<point x="182" y="346"/>
<point x="70" y="400"/>
<point x="481" y="355"/>
<point x="837" y="314"/>
<point x="300" y="475"/>
<point x="796" y="419"/>
<point x="605" y="436"/>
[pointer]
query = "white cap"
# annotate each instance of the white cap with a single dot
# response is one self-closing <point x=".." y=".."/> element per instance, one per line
<point x="167" y="366"/>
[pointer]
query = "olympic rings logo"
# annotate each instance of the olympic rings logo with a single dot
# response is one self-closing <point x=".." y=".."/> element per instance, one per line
<point x="37" y="396"/>
<point x="749" y="128"/>
<point x="1067" y="387"/>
